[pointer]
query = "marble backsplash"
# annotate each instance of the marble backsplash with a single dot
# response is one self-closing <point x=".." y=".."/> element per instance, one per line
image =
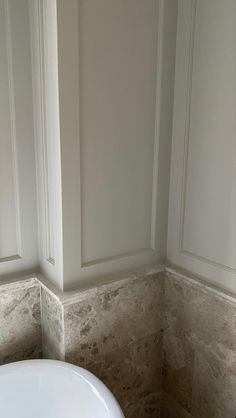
<point x="20" y="321"/>
<point x="116" y="332"/>
<point x="199" y="369"/>
<point x="164" y="343"/>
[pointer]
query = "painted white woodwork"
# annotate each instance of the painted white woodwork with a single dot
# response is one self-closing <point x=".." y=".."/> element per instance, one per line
<point x="18" y="212"/>
<point x="110" y="63"/>
<point x="43" y="19"/>
<point x="117" y="73"/>
<point x="202" y="213"/>
<point x="104" y="74"/>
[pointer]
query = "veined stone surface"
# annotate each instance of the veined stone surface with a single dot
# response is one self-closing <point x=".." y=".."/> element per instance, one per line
<point x="115" y="331"/>
<point x="199" y="370"/>
<point x="163" y="342"/>
<point x="20" y="329"/>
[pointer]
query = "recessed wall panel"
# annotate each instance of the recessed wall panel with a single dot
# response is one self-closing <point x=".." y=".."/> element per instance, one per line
<point x="8" y="174"/>
<point x="209" y="228"/>
<point x="18" y="209"/>
<point x="202" y="203"/>
<point x="117" y="90"/>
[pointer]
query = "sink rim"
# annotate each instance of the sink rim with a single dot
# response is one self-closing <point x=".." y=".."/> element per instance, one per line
<point x="87" y="376"/>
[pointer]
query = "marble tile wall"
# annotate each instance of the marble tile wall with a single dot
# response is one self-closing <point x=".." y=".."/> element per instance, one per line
<point x="20" y="322"/>
<point x="52" y="323"/>
<point x="115" y="331"/>
<point x="199" y="371"/>
<point x="164" y="343"/>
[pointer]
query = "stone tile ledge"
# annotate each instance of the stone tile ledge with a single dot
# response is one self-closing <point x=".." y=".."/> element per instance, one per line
<point x="200" y="283"/>
<point x="25" y="282"/>
<point x="69" y="297"/>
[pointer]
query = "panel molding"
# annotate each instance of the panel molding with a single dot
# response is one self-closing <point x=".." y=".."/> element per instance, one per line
<point x="115" y="257"/>
<point x="159" y="66"/>
<point x="152" y="248"/>
<point x="181" y="248"/>
<point x="7" y="17"/>
<point x="49" y="252"/>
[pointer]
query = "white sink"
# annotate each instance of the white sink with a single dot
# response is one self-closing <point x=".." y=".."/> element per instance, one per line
<point x="53" y="389"/>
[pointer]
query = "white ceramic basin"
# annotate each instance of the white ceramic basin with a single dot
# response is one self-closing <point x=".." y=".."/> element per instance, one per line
<point x="53" y="389"/>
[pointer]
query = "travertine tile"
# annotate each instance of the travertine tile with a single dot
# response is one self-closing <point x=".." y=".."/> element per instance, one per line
<point x="214" y="386"/>
<point x="171" y="409"/>
<point x="148" y="407"/>
<point x="178" y="344"/>
<point x="194" y="310"/>
<point x="20" y="335"/>
<point x="113" y="318"/>
<point x="178" y="366"/>
<point x="199" y="348"/>
<point x="52" y="325"/>
<point x="34" y="352"/>
<point x="115" y="331"/>
<point x="177" y="306"/>
<point x="134" y="372"/>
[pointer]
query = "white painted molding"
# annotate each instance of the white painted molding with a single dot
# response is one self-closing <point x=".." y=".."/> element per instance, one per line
<point x="159" y="69"/>
<point x="18" y="206"/>
<point x="79" y="267"/>
<point x="74" y="267"/>
<point x="186" y="150"/>
<point x="16" y="256"/>
<point x="44" y="140"/>
<point x="152" y="249"/>
<point x="178" y="253"/>
<point x="47" y="147"/>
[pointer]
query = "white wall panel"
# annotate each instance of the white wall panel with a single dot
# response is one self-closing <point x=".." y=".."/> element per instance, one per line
<point x="117" y="56"/>
<point x="43" y="19"/>
<point x="110" y="67"/>
<point x="202" y="222"/>
<point x="9" y="203"/>
<point x="103" y="90"/>
<point x="18" y="225"/>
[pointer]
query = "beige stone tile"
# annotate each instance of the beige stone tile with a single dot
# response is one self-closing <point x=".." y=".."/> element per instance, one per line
<point x="171" y="409"/>
<point x="113" y="318"/>
<point x="214" y="386"/>
<point x="52" y="325"/>
<point x="200" y="313"/>
<point x="20" y="322"/>
<point x="149" y="407"/>
<point x="132" y="372"/>
<point x="200" y="333"/>
<point x="178" y="366"/>
<point x="48" y="355"/>
<point x="34" y="352"/>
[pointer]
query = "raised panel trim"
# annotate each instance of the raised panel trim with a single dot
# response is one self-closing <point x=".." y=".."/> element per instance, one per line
<point x="159" y="66"/>
<point x="45" y="168"/>
<point x="181" y="248"/>
<point x="115" y="257"/>
<point x="7" y="17"/>
<point x="153" y="216"/>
